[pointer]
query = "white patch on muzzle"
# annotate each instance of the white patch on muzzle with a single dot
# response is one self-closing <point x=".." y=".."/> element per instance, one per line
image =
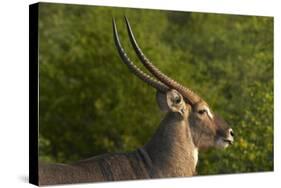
<point x="220" y="143"/>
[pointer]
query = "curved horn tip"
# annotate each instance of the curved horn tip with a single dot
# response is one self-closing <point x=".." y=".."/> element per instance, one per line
<point x="128" y="24"/>
<point x="126" y="19"/>
<point x="115" y="33"/>
<point x="113" y="22"/>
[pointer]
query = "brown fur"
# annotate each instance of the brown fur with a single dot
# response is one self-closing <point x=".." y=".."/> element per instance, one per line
<point x="171" y="152"/>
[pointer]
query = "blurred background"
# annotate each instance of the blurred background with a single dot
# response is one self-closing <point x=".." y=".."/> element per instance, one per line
<point x="91" y="104"/>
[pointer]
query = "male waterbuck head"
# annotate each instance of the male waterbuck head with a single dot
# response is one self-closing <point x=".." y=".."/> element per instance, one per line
<point x="207" y="129"/>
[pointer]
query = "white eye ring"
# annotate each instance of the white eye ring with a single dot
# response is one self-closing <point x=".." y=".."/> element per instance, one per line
<point x="203" y="111"/>
<point x="209" y="113"/>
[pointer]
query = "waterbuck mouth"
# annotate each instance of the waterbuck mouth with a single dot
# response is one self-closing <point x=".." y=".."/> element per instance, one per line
<point x="228" y="141"/>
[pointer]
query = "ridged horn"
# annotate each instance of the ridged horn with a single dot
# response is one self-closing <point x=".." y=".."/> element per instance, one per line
<point x="187" y="93"/>
<point x="139" y="73"/>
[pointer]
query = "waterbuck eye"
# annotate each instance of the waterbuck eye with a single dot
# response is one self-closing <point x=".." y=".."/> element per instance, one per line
<point x="201" y="112"/>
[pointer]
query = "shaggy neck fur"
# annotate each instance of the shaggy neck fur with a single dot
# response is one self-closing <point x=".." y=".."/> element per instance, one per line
<point x="171" y="149"/>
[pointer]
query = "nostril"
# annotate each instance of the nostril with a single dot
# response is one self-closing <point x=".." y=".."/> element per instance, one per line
<point x="231" y="133"/>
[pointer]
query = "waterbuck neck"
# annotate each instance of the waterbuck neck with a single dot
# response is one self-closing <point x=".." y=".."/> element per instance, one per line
<point x="171" y="149"/>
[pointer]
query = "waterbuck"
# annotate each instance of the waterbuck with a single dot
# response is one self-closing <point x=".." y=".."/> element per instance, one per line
<point x="188" y="126"/>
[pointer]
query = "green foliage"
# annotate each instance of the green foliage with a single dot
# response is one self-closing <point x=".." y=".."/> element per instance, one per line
<point x="91" y="104"/>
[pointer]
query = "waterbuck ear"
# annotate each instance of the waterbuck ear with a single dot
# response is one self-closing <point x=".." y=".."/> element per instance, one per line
<point x="171" y="101"/>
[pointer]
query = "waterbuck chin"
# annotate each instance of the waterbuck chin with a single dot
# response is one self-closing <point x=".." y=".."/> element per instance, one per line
<point x="188" y="126"/>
